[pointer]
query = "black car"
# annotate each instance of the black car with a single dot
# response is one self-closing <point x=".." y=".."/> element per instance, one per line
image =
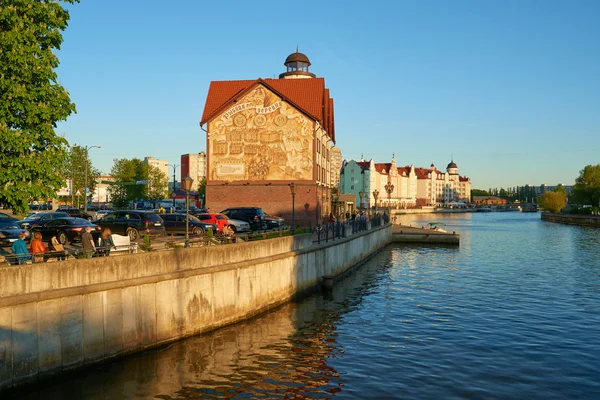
<point x="40" y="218"/>
<point x="77" y="213"/>
<point x="66" y="230"/>
<point x="9" y="232"/>
<point x="133" y="223"/>
<point x="253" y="215"/>
<point x="273" y="221"/>
<point x="175" y="223"/>
<point x="7" y="218"/>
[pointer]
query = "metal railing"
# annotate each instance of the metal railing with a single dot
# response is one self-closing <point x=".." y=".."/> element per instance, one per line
<point x="324" y="232"/>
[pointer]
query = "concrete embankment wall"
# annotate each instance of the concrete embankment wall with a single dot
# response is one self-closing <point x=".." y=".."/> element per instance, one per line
<point x="59" y="316"/>
<point x="582" y="220"/>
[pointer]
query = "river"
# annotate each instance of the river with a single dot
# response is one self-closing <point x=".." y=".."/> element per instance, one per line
<point x="514" y="313"/>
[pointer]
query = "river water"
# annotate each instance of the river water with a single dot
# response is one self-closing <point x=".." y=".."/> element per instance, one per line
<point x="514" y="313"/>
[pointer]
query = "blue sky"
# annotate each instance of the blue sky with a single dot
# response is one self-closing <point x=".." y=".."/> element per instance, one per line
<point x="509" y="89"/>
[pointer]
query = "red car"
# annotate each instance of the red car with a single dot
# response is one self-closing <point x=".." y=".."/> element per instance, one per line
<point x="219" y="220"/>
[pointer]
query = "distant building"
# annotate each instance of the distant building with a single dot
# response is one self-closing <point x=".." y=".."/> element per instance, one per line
<point x="195" y="165"/>
<point x="489" y="200"/>
<point x="404" y="186"/>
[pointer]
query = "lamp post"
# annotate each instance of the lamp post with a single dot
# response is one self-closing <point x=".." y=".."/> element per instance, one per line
<point x="174" y="181"/>
<point x="293" y="192"/>
<point x="85" y="189"/>
<point x="186" y="184"/>
<point x="375" y="196"/>
<point x="389" y="188"/>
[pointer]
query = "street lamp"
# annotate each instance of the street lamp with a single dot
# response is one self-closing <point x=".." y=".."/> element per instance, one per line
<point x="293" y="191"/>
<point x="389" y="188"/>
<point x="174" y="167"/>
<point x="375" y="196"/>
<point x="85" y="189"/>
<point x="186" y="184"/>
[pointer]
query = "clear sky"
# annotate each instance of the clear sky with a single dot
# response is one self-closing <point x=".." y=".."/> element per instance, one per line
<point x="509" y="89"/>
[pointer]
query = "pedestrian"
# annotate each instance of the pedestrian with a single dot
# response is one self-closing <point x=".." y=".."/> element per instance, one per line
<point x="106" y="243"/>
<point x="87" y="243"/>
<point x="37" y="247"/>
<point x="19" y="249"/>
<point x="331" y="218"/>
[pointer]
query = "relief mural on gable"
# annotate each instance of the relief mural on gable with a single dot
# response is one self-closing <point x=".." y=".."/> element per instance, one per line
<point x="261" y="137"/>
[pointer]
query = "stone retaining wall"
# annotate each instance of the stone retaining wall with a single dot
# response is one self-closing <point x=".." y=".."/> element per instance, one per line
<point x="581" y="220"/>
<point x="59" y="316"/>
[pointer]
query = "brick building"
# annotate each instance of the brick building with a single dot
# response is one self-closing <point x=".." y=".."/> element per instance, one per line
<point x="264" y="134"/>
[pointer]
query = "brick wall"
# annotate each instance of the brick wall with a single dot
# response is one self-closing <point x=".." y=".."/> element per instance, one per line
<point x="273" y="199"/>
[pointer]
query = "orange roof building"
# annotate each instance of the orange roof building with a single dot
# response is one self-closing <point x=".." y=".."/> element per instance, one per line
<point x="263" y="135"/>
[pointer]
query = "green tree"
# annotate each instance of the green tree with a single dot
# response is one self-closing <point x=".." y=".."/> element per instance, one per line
<point x="554" y="201"/>
<point x="74" y="169"/>
<point x="31" y="101"/>
<point x="158" y="184"/>
<point x="587" y="186"/>
<point x="136" y="180"/>
<point x="124" y="190"/>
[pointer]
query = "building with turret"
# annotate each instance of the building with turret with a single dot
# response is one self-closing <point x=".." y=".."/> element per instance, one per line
<point x="389" y="185"/>
<point x="267" y="137"/>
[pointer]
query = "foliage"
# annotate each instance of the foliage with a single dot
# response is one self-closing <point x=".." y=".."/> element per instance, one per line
<point x="74" y="169"/>
<point x="554" y="201"/>
<point x="478" y="192"/>
<point x="147" y="244"/>
<point x="202" y="191"/>
<point x="157" y="187"/>
<point x="127" y="173"/>
<point x="31" y="101"/>
<point x="587" y="186"/>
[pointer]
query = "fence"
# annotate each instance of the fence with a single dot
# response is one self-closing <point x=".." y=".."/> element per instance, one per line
<point x="323" y="232"/>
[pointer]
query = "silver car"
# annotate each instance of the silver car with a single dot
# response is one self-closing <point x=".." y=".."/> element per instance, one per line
<point x="237" y="225"/>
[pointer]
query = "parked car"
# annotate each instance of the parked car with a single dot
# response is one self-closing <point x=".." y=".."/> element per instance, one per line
<point x="273" y="221"/>
<point x="252" y="215"/>
<point x="66" y="230"/>
<point x="133" y="223"/>
<point x="40" y="218"/>
<point x="10" y="231"/>
<point x="77" y="213"/>
<point x="101" y="213"/>
<point x="175" y="223"/>
<point x="222" y="220"/>
<point x="6" y="218"/>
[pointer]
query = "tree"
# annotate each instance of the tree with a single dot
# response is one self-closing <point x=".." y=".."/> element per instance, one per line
<point x="158" y="183"/>
<point x="136" y="180"/>
<point x="31" y="101"/>
<point x="587" y="186"/>
<point x="125" y="173"/>
<point x="74" y="169"/>
<point x="554" y="201"/>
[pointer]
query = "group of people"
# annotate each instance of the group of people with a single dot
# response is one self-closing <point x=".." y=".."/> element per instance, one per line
<point x="38" y="252"/>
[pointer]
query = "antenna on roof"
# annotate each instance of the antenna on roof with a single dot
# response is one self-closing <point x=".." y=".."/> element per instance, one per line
<point x="296" y="48"/>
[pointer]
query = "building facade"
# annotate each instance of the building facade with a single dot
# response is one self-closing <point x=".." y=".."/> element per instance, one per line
<point x="264" y="135"/>
<point x="194" y="164"/>
<point x="388" y="185"/>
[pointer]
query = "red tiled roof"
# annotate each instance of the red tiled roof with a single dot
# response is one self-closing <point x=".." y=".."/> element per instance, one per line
<point x="308" y="95"/>
<point x="380" y="167"/>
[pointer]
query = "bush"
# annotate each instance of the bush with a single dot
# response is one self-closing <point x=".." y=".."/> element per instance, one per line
<point x="147" y="245"/>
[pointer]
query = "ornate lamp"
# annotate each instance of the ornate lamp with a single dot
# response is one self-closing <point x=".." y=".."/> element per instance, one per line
<point x="186" y="184"/>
